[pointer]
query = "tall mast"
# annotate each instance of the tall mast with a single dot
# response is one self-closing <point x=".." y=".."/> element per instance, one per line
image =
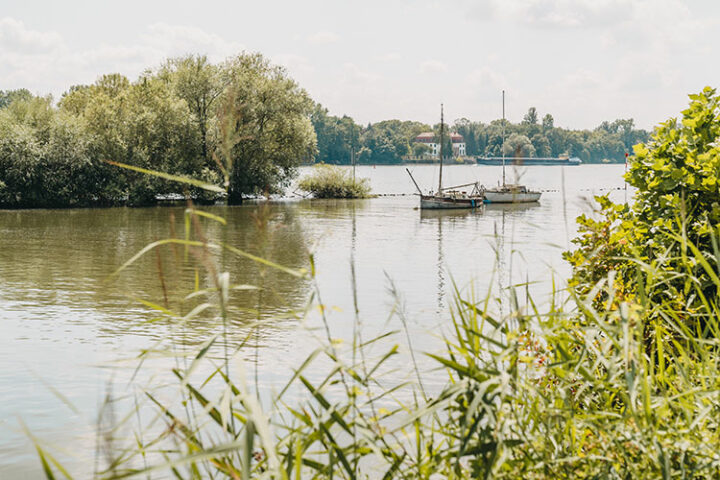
<point x="503" y="136"/>
<point x="439" y="192"/>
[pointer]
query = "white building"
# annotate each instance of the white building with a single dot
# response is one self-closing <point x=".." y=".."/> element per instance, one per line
<point x="428" y="138"/>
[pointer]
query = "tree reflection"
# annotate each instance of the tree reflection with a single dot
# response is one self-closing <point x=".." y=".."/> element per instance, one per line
<point x="63" y="257"/>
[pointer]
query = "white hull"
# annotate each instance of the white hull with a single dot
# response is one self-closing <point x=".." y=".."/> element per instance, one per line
<point x="511" y="197"/>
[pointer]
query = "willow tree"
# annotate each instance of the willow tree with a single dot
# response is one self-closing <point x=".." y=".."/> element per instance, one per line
<point x="264" y="130"/>
<point x="199" y="83"/>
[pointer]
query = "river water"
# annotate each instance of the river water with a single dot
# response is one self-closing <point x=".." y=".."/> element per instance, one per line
<point x="68" y="330"/>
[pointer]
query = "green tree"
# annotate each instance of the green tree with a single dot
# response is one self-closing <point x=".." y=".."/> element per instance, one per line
<point x="143" y="124"/>
<point x="199" y="83"/>
<point x="264" y="129"/>
<point x="9" y="96"/>
<point x="548" y="122"/>
<point x="337" y="137"/>
<point x="420" y="150"/>
<point x="518" y="146"/>
<point x="389" y="141"/>
<point x="541" y="145"/>
<point x="531" y="117"/>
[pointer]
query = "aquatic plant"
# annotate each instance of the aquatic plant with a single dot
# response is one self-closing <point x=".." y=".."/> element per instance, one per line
<point x="329" y="181"/>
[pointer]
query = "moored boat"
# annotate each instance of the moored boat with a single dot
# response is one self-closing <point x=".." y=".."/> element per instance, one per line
<point x="511" y="194"/>
<point x="450" y="200"/>
<point x="449" y="197"/>
<point x="508" y="192"/>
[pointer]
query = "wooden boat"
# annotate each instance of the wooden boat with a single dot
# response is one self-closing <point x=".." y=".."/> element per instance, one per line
<point x="449" y="197"/>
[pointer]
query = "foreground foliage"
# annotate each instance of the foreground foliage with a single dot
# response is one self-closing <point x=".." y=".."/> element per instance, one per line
<point x="673" y="223"/>
<point x="613" y="379"/>
<point x="565" y="392"/>
<point x="328" y="181"/>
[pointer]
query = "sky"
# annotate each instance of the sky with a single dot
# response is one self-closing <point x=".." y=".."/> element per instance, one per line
<point x="583" y="61"/>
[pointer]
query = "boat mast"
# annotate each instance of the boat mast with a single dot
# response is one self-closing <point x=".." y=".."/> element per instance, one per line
<point x="503" y="136"/>
<point x="439" y="192"/>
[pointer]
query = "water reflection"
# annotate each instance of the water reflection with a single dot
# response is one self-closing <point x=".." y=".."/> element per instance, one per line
<point x="60" y="320"/>
<point x="491" y="208"/>
<point x="51" y="258"/>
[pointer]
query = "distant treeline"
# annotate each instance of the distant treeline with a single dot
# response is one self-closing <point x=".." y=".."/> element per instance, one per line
<point x="391" y="141"/>
<point x="243" y="125"/>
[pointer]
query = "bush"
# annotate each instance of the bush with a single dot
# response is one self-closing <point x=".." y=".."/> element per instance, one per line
<point x="329" y="181"/>
<point x="675" y="216"/>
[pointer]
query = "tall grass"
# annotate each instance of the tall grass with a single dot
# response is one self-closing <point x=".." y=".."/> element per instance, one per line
<point x="568" y="391"/>
<point x="329" y="181"/>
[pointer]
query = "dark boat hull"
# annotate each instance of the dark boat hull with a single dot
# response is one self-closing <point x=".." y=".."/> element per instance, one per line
<point x="528" y="161"/>
<point x="431" y="202"/>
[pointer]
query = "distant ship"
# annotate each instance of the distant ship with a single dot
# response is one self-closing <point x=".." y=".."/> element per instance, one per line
<point x="527" y="161"/>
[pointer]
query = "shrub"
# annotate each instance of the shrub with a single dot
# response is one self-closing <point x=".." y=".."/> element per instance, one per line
<point x="329" y="181"/>
<point x="675" y="216"/>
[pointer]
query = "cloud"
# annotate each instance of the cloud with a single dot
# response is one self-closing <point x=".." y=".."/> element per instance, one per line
<point x="295" y="64"/>
<point x="322" y="38"/>
<point x="555" y="14"/>
<point x="433" y="66"/>
<point x="181" y="39"/>
<point x="16" y="37"/>
<point x="388" y="57"/>
<point x="486" y="78"/>
<point x="355" y="74"/>
<point x="43" y="61"/>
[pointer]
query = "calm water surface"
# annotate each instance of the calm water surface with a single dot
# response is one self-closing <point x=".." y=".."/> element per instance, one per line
<point x="66" y="327"/>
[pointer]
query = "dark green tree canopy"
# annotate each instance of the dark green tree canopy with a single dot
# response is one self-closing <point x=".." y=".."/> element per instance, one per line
<point x="531" y="117"/>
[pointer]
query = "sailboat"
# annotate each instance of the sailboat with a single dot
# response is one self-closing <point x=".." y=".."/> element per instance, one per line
<point x="509" y="192"/>
<point x="448" y="197"/>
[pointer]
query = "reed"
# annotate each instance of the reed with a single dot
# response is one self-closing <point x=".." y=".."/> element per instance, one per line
<point x="568" y="391"/>
<point x="329" y="181"/>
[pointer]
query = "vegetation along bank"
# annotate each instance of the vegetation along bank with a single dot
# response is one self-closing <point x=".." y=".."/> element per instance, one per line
<point x="243" y="125"/>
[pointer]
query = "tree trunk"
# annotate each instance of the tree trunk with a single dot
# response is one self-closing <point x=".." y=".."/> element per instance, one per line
<point x="234" y="198"/>
<point x="234" y="192"/>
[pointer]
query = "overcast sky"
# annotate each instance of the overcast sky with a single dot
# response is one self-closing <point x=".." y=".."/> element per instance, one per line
<point x="583" y="61"/>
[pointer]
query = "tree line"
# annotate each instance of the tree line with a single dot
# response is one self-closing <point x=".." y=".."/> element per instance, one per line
<point x="242" y="124"/>
<point x="392" y="141"/>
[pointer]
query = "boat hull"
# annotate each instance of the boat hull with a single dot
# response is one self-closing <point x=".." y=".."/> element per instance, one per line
<point x="511" y="197"/>
<point x="528" y="162"/>
<point x="428" y="202"/>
